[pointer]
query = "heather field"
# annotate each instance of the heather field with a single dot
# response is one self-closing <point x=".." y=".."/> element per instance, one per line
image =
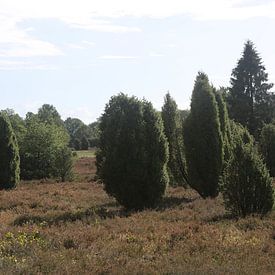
<point x="75" y="228"/>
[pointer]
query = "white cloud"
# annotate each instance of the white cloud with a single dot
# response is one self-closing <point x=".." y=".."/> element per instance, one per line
<point x="82" y="45"/>
<point x="117" y="57"/>
<point x="101" y="15"/>
<point x="7" y="65"/>
<point x="80" y="12"/>
<point x="155" y="54"/>
<point x="16" y="42"/>
<point x="88" y="43"/>
<point x="98" y="25"/>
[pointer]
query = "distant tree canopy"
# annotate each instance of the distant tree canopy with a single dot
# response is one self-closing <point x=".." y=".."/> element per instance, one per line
<point x="9" y="155"/>
<point x="48" y="114"/>
<point x="203" y="140"/>
<point x="249" y="99"/>
<point x="80" y="132"/>
<point x="94" y="134"/>
<point x="43" y="142"/>
<point x="133" y="152"/>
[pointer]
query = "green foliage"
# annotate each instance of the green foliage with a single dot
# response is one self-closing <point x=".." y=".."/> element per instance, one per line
<point x="84" y="143"/>
<point x="267" y="147"/>
<point x="203" y="140"/>
<point x="247" y="187"/>
<point x="224" y="123"/>
<point x="95" y="134"/>
<point x="133" y="152"/>
<point x="9" y="155"/>
<point x="173" y="131"/>
<point x="79" y="133"/>
<point x="18" y="125"/>
<point x="250" y="101"/>
<point x="64" y="164"/>
<point x="49" y="115"/>
<point x="40" y="148"/>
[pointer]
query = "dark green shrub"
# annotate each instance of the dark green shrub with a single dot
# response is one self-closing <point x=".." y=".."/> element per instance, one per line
<point x="224" y="124"/>
<point x="9" y="155"/>
<point x="203" y="140"/>
<point x="173" y="131"/>
<point x="247" y="186"/>
<point x="133" y="152"/>
<point x="267" y="147"/>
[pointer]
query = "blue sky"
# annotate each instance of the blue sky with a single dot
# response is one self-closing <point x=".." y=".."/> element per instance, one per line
<point x="77" y="54"/>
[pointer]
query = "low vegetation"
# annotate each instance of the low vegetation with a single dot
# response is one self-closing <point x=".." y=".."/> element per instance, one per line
<point x="74" y="227"/>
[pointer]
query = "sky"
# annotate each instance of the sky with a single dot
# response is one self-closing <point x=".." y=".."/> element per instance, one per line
<point x="76" y="54"/>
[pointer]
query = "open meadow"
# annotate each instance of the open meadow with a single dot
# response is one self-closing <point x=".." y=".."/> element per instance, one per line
<point x="75" y="228"/>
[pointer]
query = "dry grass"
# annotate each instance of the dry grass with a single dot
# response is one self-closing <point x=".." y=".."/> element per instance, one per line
<point x="86" y="153"/>
<point x="75" y="228"/>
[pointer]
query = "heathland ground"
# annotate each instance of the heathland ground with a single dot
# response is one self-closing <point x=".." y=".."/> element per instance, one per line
<point x="75" y="228"/>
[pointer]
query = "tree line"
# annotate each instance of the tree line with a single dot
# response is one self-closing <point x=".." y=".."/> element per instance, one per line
<point x="224" y="144"/>
<point x="44" y="143"/>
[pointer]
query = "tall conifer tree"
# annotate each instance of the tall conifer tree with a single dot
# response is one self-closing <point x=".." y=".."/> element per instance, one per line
<point x="203" y="140"/>
<point x="249" y="98"/>
<point x="9" y="155"/>
<point x="173" y="131"/>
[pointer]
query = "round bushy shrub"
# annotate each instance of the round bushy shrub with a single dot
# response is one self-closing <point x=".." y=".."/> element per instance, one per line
<point x="9" y="155"/>
<point x="133" y="152"/>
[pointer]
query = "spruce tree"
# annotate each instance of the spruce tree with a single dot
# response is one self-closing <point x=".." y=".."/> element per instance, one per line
<point x="9" y="155"/>
<point x="133" y="152"/>
<point x="173" y="131"/>
<point x="203" y="140"/>
<point x="247" y="186"/>
<point x="249" y="98"/>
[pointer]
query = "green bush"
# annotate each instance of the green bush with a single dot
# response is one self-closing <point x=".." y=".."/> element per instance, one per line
<point x="173" y="131"/>
<point x="133" y="152"/>
<point x="247" y="186"/>
<point x="267" y="147"/>
<point x="9" y="155"/>
<point x="203" y="140"/>
<point x="64" y="164"/>
<point x="224" y="124"/>
<point x="40" y="149"/>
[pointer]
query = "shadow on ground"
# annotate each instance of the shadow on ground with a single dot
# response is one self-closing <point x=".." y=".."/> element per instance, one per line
<point x="172" y="202"/>
<point x="90" y="214"/>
